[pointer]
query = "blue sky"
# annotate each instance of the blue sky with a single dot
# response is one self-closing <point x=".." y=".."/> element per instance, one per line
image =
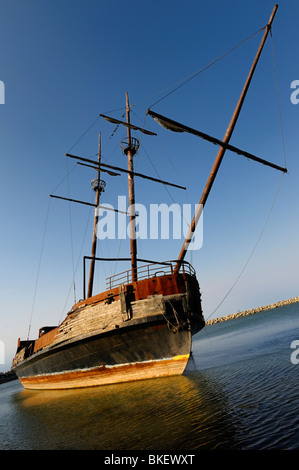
<point x="63" y="63"/>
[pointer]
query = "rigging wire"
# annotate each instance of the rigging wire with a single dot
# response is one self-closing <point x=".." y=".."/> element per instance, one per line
<point x="253" y="250"/>
<point x="278" y="100"/>
<point x="169" y="159"/>
<point x="120" y="243"/>
<point x="69" y="204"/>
<point x="64" y="178"/>
<point x="190" y="77"/>
<point x="171" y="163"/>
<point x="68" y="182"/>
<point x="279" y="186"/>
<point x="140" y="142"/>
<point x="177" y="85"/>
<point x="84" y="133"/>
<point x="71" y="232"/>
<point x="166" y="189"/>
<point x="79" y="258"/>
<point x="69" y="171"/>
<point x="38" y="269"/>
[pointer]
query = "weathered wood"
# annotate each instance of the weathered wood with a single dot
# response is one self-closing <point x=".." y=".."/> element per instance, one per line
<point x="104" y="316"/>
<point x="88" y="319"/>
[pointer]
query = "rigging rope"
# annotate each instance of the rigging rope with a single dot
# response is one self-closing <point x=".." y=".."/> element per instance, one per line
<point x="84" y="133"/>
<point x="79" y="258"/>
<point x="38" y="270"/>
<point x="166" y="189"/>
<point x="278" y="100"/>
<point x="276" y="195"/>
<point x="252" y="252"/>
<point x="190" y="77"/>
<point x="64" y="178"/>
<point x="169" y="159"/>
<point x="177" y="85"/>
<point x="71" y="231"/>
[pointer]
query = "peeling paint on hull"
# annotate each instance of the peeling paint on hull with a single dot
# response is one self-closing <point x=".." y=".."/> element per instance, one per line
<point x="136" y="331"/>
<point x="105" y="375"/>
<point x="136" y="352"/>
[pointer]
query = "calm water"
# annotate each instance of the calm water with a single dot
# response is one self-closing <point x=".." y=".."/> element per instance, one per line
<point x="240" y="391"/>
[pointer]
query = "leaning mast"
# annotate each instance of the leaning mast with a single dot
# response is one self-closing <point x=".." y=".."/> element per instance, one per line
<point x="222" y="149"/>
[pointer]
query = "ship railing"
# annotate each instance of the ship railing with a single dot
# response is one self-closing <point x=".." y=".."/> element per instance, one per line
<point x="153" y="269"/>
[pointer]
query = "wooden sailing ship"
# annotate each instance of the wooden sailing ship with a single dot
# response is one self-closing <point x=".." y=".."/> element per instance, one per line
<point x="142" y="325"/>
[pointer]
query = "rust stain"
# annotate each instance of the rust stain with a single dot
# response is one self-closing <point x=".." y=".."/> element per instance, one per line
<point x="157" y="327"/>
<point x="104" y="375"/>
<point x="45" y="339"/>
<point x="165" y="285"/>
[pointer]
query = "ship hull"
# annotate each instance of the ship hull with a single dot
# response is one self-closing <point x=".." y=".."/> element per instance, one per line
<point x="130" y="332"/>
<point x="135" y="351"/>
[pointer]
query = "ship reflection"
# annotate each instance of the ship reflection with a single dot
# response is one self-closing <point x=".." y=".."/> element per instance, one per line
<point x="184" y="412"/>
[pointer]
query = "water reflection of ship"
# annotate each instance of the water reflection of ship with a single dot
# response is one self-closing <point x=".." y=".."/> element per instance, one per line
<point x="182" y="412"/>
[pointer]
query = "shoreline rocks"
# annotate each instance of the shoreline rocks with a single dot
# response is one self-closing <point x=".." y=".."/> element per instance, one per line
<point x="252" y="311"/>
<point x="7" y="376"/>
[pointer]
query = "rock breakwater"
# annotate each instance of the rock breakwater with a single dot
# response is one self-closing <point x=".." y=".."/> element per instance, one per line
<point x="7" y="376"/>
<point x="252" y="311"/>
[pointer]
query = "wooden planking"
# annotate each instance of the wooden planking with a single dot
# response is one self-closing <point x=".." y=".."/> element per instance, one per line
<point x="88" y="319"/>
<point x="151" y="306"/>
<point x="97" y="313"/>
<point x="102" y="316"/>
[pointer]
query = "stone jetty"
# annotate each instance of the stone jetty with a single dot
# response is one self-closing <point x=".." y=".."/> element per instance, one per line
<point x="252" y="311"/>
<point x="7" y="376"/>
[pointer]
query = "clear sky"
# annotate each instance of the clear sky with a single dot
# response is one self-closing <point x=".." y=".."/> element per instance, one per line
<point x="64" y="62"/>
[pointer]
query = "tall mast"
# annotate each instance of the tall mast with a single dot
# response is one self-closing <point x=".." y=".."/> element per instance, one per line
<point x="98" y="185"/>
<point x="130" y="147"/>
<point x="221" y="152"/>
